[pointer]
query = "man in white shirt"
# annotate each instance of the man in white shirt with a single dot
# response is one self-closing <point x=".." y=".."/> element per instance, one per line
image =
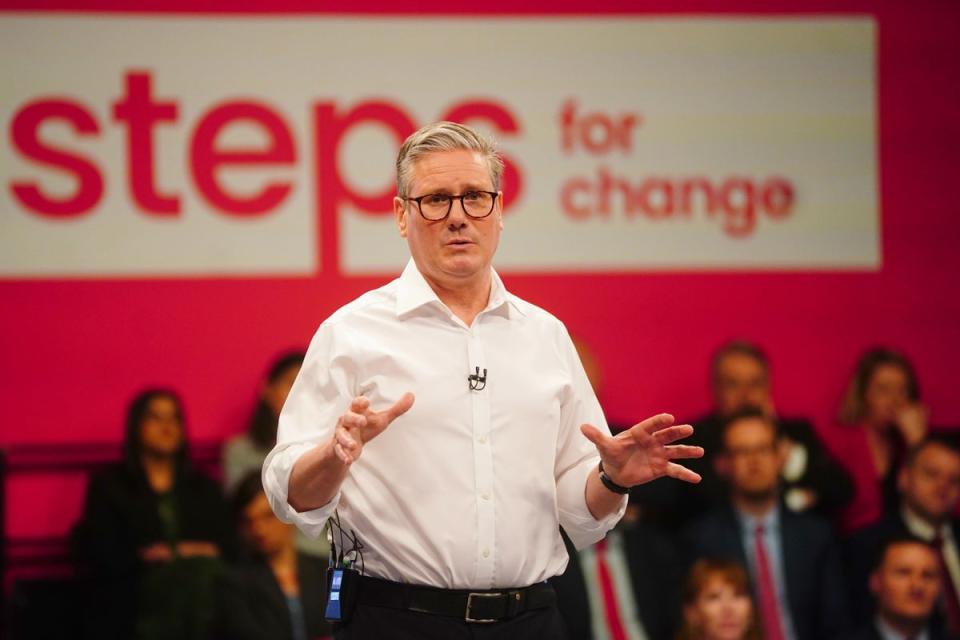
<point x="498" y="436"/>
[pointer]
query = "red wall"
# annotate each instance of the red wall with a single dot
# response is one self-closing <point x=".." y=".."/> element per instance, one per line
<point x="73" y="352"/>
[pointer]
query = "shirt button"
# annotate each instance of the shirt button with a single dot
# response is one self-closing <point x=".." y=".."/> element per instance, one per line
<point x="483" y="439"/>
<point x="485" y="496"/>
<point x="486" y="553"/>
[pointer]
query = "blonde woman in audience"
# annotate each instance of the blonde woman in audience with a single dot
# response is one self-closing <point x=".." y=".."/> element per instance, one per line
<point x="882" y="418"/>
<point x="717" y="604"/>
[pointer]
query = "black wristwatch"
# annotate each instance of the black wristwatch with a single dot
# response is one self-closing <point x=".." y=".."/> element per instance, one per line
<point x="610" y="484"/>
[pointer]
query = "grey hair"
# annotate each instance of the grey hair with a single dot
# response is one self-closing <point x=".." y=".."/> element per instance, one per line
<point x="445" y="136"/>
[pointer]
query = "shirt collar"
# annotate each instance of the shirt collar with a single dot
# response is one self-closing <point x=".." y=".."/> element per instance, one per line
<point x="414" y="292"/>
<point x="770" y="521"/>
<point x="921" y="528"/>
<point x="889" y="633"/>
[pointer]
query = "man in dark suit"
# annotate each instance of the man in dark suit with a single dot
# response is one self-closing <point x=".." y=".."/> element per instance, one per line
<point x="905" y="583"/>
<point x="792" y="557"/>
<point x="278" y="593"/>
<point x="929" y="487"/>
<point x="628" y="585"/>
<point x="811" y="478"/>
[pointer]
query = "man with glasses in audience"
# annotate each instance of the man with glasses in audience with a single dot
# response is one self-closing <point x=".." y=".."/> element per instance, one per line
<point x="792" y="557"/>
<point x="498" y="439"/>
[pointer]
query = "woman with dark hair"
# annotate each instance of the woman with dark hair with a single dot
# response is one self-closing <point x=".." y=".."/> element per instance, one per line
<point x="717" y="604"/>
<point x="277" y="593"/>
<point x="881" y="419"/>
<point x="245" y="453"/>
<point x="153" y="532"/>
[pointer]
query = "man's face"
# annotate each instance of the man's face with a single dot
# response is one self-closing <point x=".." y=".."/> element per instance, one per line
<point x="456" y="250"/>
<point x="740" y="381"/>
<point x="931" y="485"/>
<point x="752" y="458"/>
<point x="907" y="583"/>
<point x="265" y="531"/>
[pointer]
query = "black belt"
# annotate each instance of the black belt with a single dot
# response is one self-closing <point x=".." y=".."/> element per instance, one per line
<point x="473" y="606"/>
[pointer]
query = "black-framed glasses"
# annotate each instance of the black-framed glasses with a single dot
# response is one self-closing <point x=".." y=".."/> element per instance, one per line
<point x="437" y="206"/>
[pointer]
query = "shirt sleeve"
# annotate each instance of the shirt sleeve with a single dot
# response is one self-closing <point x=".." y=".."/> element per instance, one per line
<point x="320" y="394"/>
<point x="577" y="457"/>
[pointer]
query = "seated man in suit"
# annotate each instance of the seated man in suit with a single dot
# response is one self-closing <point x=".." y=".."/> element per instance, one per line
<point x="625" y="586"/>
<point x="929" y="487"/>
<point x="792" y="557"/>
<point x="811" y="479"/>
<point x="280" y="592"/>
<point x="905" y="583"/>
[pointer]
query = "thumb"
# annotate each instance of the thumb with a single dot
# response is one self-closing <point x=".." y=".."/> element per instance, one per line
<point x="594" y="435"/>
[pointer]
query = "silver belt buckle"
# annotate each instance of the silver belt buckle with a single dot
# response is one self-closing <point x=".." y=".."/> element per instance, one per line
<point x="470" y="597"/>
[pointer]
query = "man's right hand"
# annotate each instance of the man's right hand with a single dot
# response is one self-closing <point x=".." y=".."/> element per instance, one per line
<point x="359" y="425"/>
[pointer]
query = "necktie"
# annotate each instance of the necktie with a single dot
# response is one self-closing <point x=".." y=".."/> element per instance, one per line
<point x="948" y="595"/>
<point x="766" y="591"/>
<point x="611" y="610"/>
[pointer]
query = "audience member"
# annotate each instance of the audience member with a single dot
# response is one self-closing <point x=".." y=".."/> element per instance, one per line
<point x="929" y="485"/>
<point x="739" y="379"/>
<point x="881" y="418"/>
<point x="246" y="452"/>
<point x="792" y="557"/>
<point x="905" y="583"/>
<point x="152" y="533"/>
<point x="278" y="593"/>
<point x="625" y="587"/>
<point x="717" y="603"/>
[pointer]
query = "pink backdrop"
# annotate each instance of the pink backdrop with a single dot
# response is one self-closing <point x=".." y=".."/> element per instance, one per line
<point x="73" y="352"/>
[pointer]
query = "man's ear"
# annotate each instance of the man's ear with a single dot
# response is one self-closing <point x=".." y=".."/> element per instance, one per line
<point x="721" y="464"/>
<point x="874" y="582"/>
<point x="902" y="480"/>
<point x="500" y="209"/>
<point x="400" y="214"/>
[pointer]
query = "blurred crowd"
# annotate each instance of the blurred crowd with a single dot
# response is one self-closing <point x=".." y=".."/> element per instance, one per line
<point x="787" y="536"/>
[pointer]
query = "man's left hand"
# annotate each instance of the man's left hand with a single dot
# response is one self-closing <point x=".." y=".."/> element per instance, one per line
<point x="645" y="451"/>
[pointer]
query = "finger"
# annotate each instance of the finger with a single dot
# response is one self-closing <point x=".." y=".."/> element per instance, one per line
<point x="345" y="440"/>
<point x="353" y="420"/>
<point x="669" y="435"/>
<point x="344" y="457"/>
<point x="680" y="472"/>
<point x="399" y="408"/>
<point x="654" y="423"/>
<point x="360" y="404"/>
<point x="683" y="451"/>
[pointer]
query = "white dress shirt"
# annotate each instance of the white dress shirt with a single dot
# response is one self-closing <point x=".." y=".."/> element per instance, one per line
<point x="925" y="531"/>
<point x="467" y="489"/>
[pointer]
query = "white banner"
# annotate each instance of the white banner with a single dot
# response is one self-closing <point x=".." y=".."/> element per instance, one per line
<point x="265" y="146"/>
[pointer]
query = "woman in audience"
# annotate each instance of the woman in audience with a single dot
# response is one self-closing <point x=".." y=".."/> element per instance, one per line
<point x="717" y="604"/>
<point x="882" y="418"/>
<point x="152" y="533"/>
<point x="245" y="453"/>
<point x="278" y="593"/>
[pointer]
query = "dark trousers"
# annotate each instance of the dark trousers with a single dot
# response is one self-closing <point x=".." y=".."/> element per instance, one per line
<point x="380" y="623"/>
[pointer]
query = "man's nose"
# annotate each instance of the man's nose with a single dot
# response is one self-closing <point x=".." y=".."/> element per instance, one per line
<point x="458" y="217"/>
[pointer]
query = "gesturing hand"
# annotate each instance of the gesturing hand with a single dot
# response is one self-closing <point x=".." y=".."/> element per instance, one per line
<point x="359" y="425"/>
<point x="645" y="452"/>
